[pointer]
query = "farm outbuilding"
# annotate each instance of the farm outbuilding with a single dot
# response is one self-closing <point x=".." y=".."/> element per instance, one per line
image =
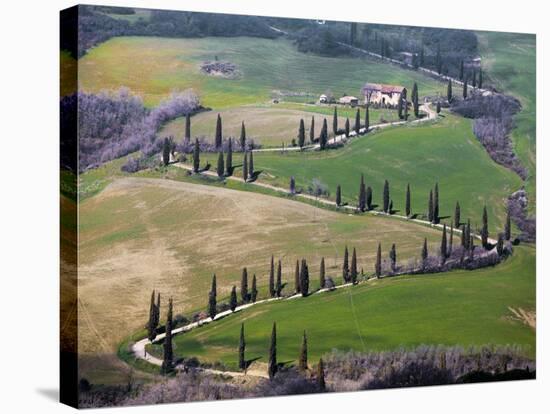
<point x="348" y="100"/>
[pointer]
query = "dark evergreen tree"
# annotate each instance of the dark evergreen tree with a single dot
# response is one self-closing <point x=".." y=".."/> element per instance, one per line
<point x="431" y="207"/>
<point x="367" y="121"/>
<point x="457" y="215"/>
<point x="151" y="323"/>
<point x="220" y="170"/>
<point x="393" y="258"/>
<point x="244" y="285"/>
<point x="443" y="247"/>
<point x="469" y="245"/>
<point x="408" y="201"/>
<point x="166" y="149"/>
<point x="212" y="299"/>
<point x="414" y="98"/>
<point x="449" y="91"/>
<point x="438" y="107"/>
<point x="425" y="253"/>
<point x="229" y="158"/>
<point x="484" y="228"/>
<point x="157" y="310"/>
<point x="436" y="204"/>
<point x="218" y="139"/>
<point x="465" y="88"/>
<point x="463" y="242"/>
<point x="353" y="269"/>
<point x="292" y="186"/>
<point x="321" y="376"/>
<point x="254" y="289"/>
<point x="168" y="360"/>
<point x="347" y="127"/>
<point x="245" y="167"/>
<point x="362" y="195"/>
<point x="480" y="80"/>
<point x="386" y="196"/>
<point x="378" y="264"/>
<point x="322" y="274"/>
<point x="187" y="136"/>
<point x="474" y="79"/>
<point x="302" y="362"/>
<point x="335" y="122"/>
<point x="338" y="195"/>
<point x="301" y="134"/>
<point x="272" y="366"/>
<point x="233" y="299"/>
<point x="243" y="137"/>
<point x="345" y="266"/>
<point x="297" y="284"/>
<point x="324" y="135"/>
<point x="279" y="282"/>
<point x="272" y="278"/>
<point x="500" y="245"/>
<point x="196" y="157"/>
<point x="400" y="106"/>
<point x="312" y="131"/>
<point x="508" y="226"/>
<point x="357" y="126"/>
<point x="451" y="236"/>
<point x="251" y="165"/>
<point x="369" y="198"/>
<point x="242" y="346"/>
<point x="304" y="278"/>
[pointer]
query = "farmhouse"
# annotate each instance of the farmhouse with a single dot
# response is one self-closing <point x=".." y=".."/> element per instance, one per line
<point x="407" y="57"/>
<point x="380" y="94"/>
<point x="348" y="100"/>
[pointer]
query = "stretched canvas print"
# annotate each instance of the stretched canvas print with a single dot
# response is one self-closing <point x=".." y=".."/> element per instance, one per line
<point x="256" y="206"/>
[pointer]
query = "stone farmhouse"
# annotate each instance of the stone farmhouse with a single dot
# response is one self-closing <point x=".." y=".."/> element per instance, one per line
<point x="380" y="94"/>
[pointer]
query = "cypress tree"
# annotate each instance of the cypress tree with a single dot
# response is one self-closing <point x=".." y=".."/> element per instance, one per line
<point x="312" y="130"/>
<point x="457" y="214"/>
<point x="362" y="195"/>
<point x="469" y="235"/>
<point x="500" y="245"/>
<point x="244" y="285"/>
<point x="233" y="299"/>
<point x="187" y="127"/>
<point x="378" y="264"/>
<point x="400" y="106"/>
<point x="151" y="325"/>
<point x="297" y="286"/>
<point x="321" y="376"/>
<point x="212" y="299"/>
<point x="431" y="207"/>
<point x="367" y="122"/>
<point x="196" y="157"/>
<point x="272" y="367"/>
<point x="242" y="346"/>
<point x="302" y="364"/>
<point x="393" y="258"/>
<point x="157" y="310"/>
<point x="243" y="137"/>
<point x="357" y="127"/>
<point x="304" y="278"/>
<point x="369" y="198"/>
<point x="279" y="283"/>
<point x="323" y="137"/>
<point x="218" y="139"/>
<point x="272" y="278"/>
<point x="254" y="290"/>
<point x="345" y="266"/>
<point x="338" y="195"/>
<point x="353" y="270"/>
<point x="508" y="226"/>
<point x="449" y="92"/>
<point x="474" y="79"/>
<point x="484" y="228"/>
<point x="322" y="273"/>
<point x="463" y="242"/>
<point x="408" y="201"/>
<point x="166" y="147"/>
<point x="301" y="134"/>
<point x="451" y="236"/>
<point x="245" y="167"/>
<point x="443" y="247"/>
<point x="461" y="75"/>
<point x="425" y="253"/>
<point x="251" y="165"/>
<point x="480" y="80"/>
<point x="335" y="122"/>
<point x="168" y="360"/>
<point x="347" y="127"/>
<point x="415" y="99"/>
<point x="386" y="196"/>
<point x="438" y="107"/>
<point x="292" y="185"/>
<point x="471" y="249"/>
<point x="220" y="169"/>
<point x="465" y="88"/>
<point x="229" y="158"/>
<point x="436" y="203"/>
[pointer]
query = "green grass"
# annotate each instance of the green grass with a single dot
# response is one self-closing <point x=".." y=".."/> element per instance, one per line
<point x="509" y="62"/>
<point x="466" y="308"/>
<point x="270" y="125"/>
<point x="446" y="152"/>
<point x="154" y="67"/>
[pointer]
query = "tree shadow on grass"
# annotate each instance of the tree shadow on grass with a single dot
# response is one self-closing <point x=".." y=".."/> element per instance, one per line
<point x="205" y="168"/>
<point x="254" y="176"/>
<point x="249" y="362"/>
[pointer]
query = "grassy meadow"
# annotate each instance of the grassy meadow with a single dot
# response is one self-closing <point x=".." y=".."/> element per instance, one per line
<point x="267" y="67"/>
<point x="467" y="308"/>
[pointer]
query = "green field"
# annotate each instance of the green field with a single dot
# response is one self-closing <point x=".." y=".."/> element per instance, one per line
<point x="165" y="65"/>
<point x="270" y="125"/>
<point x="465" y="308"/>
<point x="446" y="152"/>
<point x="509" y="61"/>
